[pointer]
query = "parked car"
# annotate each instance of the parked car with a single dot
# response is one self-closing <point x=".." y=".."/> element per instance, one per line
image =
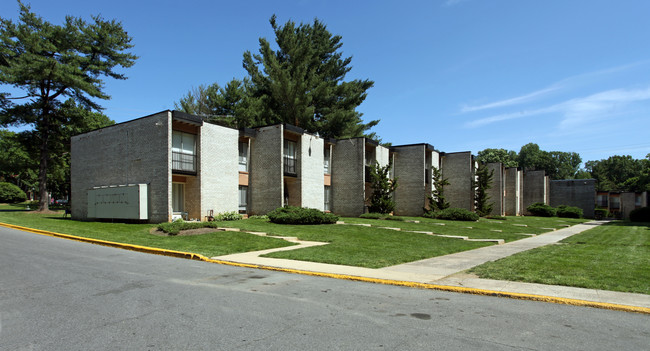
<point x="61" y="202"/>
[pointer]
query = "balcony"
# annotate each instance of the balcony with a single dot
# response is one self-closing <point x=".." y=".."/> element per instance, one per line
<point x="183" y="163"/>
<point x="290" y="166"/>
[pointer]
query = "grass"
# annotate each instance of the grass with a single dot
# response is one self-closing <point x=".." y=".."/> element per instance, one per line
<point x="615" y="256"/>
<point x="212" y="244"/>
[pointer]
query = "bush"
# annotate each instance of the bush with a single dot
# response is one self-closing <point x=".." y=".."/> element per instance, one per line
<point x="176" y="226"/>
<point x="258" y="217"/>
<point x="568" y="211"/>
<point x="228" y="216"/>
<point x="299" y="215"/>
<point x="640" y="215"/>
<point x="541" y="209"/>
<point x="601" y="213"/>
<point x="456" y="214"/>
<point x="10" y="193"/>
<point x="373" y="215"/>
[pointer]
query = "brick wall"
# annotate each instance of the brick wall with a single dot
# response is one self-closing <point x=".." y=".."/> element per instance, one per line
<point x="311" y="172"/>
<point x="348" y="193"/>
<point x="513" y="187"/>
<point x="219" y="169"/>
<point x="458" y="169"/>
<point x="497" y="188"/>
<point x="534" y="188"/>
<point x="575" y="192"/>
<point x="410" y="169"/>
<point x="266" y="170"/>
<point x="127" y="153"/>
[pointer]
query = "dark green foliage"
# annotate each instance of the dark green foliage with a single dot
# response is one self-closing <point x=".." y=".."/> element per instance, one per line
<point x="10" y="193"/>
<point x="507" y="157"/>
<point x="501" y="218"/>
<point x="556" y="164"/>
<point x="300" y="215"/>
<point x="621" y="173"/>
<point x="568" y="212"/>
<point x="601" y="213"/>
<point x="381" y="199"/>
<point x="456" y="214"/>
<point x="173" y="228"/>
<point x="372" y="215"/>
<point x="541" y="210"/>
<point x="437" y="199"/>
<point x="50" y="63"/>
<point x="640" y="215"/>
<point x="482" y="184"/>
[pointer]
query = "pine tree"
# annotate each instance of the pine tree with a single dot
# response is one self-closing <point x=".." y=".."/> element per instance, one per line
<point x="437" y="199"/>
<point x="52" y="62"/>
<point x="381" y="199"/>
<point x="482" y="184"/>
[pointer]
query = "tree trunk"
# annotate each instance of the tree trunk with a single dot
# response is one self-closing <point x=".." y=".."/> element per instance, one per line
<point x="42" y="169"/>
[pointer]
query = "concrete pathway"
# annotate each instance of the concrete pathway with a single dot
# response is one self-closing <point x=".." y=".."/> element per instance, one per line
<point x="447" y="270"/>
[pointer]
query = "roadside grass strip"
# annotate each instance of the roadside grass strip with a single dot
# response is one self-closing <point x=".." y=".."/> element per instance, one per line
<point x="614" y="256"/>
<point x="464" y="290"/>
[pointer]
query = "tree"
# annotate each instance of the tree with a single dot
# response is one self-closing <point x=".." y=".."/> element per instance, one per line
<point x="620" y="173"/>
<point x="51" y="62"/>
<point x="507" y="157"/>
<point x="482" y="184"/>
<point x="16" y="165"/>
<point x="437" y="201"/>
<point x="556" y="164"/>
<point x="381" y="200"/>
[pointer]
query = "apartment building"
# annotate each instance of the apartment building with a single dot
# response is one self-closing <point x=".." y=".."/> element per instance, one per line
<point x="412" y="166"/>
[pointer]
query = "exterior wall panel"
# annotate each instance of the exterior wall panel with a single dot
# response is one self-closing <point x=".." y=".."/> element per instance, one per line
<point x="266" y="170"/>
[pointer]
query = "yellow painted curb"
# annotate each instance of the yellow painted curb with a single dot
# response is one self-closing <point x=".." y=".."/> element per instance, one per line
<point x="457" y="289"/>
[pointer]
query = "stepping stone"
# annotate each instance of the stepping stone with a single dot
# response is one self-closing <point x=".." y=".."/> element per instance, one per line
<point x="468" y="228"/>
<point x="257" y="233"/>
<point x="498" y="241"/>
<point x="390" y="228"/>
<point x="521" y="225"/>
<point x="438" y="223"/>
<point x="496" y="230"/>
<point x="231" y="229"/>
<point x="551" y="229"/>
<point x="531" y="235"/>
<point x="453" y="236"/>
<point x="411" y="221"/>
<point x="421" y="232"/>
<point x="340" y="222"/>
<point x="362" y="224"/>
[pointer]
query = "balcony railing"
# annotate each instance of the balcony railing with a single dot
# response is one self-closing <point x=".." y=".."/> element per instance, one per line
<point x="184" y="163"/>
<point x="290" y="166"/>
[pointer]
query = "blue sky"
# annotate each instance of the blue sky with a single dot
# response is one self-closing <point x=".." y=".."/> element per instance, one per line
<point x="458" y="74"/>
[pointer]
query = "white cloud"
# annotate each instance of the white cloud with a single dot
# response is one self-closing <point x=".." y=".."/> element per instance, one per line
<point x="563" y="84"/>
<point x="577" y="112"/>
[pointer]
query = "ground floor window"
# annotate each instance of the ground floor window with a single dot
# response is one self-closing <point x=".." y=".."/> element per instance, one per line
<point x="178" y="197"/>
<point x="243" y="199"/>
<point x="328" y="198"/>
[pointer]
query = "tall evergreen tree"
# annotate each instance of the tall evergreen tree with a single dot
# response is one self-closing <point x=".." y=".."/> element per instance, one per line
<point x="482" y="184"/>
<point x="52" y="62"/>
<point x="437" y="200"/>
<point x="381" y="199"/>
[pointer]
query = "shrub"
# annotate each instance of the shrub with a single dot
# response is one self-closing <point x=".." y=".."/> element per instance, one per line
<point x="10" y="193"/>
<point x="300" y="215"/>
<point x="457" y="214"/>
<point x="258" y="217"/>
<point x="568" y="211"/>
<point x="176" y="226"/>
<point x="541" y="209"/>
<point x="373" y="215"/>
<point x="601" y="213"/>
<point x="640" y="215"/>
<point x="228" y="216"/>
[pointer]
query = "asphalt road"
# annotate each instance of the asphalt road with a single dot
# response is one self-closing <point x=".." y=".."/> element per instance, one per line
<point x="57" y="294"/>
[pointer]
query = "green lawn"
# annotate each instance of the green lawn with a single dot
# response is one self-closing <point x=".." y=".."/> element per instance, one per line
<point x="615" y="256"/>
<point x="213" y="244"/>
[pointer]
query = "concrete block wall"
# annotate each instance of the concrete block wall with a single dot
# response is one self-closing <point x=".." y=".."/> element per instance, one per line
<point x="497" y="189"/>
<point x="266" y="170"/>
<point x="410" y="167"/>
<point x="628" y="200"/>
<point x="219" y="169"/>
<point x="513" y="191"/>
<point x="458" y="169"/>
<point x="535" y="189"/>
<point x="311" y="174"/>
<point x="575" y="192"/>
<point x="134" y="152"/>
<point x="348" y="167"/>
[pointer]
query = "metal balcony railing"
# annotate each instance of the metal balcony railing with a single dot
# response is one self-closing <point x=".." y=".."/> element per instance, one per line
<point x="183" y="162"/>
<point x="290" y="166"/>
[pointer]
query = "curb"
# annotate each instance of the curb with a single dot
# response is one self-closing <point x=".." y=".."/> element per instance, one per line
<point x="464" y="290"/>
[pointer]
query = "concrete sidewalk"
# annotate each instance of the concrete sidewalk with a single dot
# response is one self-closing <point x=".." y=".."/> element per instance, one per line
<point x="447" y="270"/>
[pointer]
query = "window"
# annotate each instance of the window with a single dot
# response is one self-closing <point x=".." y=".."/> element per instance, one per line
<point x="326" y="160"/>
<point x="178" y="197"/>
<point x="614" y="202"/>
<point x="637" y="200"/>
<point x="183" y="151"/>
<point x="290" y="157"/>
<point x="243" y="199"/>
<point x="243" y="156"/>
<point x="328" y="198"/>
